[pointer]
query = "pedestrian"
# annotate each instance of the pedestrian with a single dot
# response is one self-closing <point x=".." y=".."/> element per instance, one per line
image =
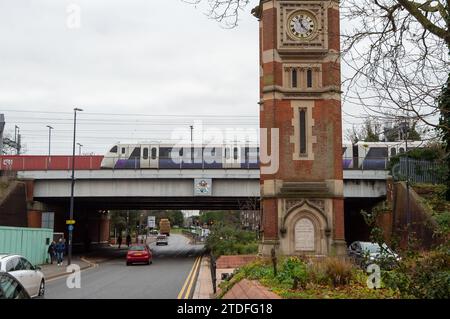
<point x="60" y="249"/>
<point x="119" y="240"/>
<point x="51" y="251"/>
<point x="128" y="240"/>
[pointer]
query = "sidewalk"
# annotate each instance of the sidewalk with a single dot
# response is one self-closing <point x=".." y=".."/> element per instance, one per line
<point x="203" y="287"/>
<point x="51" y="271"/>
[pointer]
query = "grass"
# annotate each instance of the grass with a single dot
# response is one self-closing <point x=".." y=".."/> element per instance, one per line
<point x="331" y="278"/>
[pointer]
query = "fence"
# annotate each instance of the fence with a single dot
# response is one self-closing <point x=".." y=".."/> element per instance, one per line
<point x="419" y="171"/>
<point x="32" y="243"/>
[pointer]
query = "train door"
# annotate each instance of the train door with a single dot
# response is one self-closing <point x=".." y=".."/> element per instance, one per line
<point x="231" y="156"/>
<point x="149" y="156"/>
<point x="355" y="152"/>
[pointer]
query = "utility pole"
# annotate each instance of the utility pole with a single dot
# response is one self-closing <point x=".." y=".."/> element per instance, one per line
<point x="73" y="183"/>
<point x="408" y="215"/>
<point x="192" y="128"/>
<point x="17" y="138"/>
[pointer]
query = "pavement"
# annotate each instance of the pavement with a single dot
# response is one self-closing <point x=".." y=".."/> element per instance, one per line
<point x="203" y="287"/>
<point x="88" y="260"/>
<point x="52" y="271"/>
<point x="172" y="273"/>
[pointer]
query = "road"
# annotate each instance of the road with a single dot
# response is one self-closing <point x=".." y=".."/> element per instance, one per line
<point x="163" y="279"/>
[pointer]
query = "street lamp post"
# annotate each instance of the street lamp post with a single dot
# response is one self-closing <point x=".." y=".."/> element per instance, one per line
<point x="192" y="128"/>
<point x="73" y="183"/>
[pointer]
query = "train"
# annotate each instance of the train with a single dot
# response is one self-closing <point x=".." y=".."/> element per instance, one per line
<point x="362" y="155"/>
<point x="170" y="156"/>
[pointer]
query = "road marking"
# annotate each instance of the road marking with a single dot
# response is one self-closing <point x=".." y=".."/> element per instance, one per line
<point x="180" y="295"/>
<point x="193" y="277"/>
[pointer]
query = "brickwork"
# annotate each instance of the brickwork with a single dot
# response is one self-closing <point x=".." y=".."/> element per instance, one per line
<point x="280" y="104"/>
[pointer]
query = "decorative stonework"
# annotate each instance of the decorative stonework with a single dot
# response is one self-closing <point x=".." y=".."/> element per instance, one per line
<point x="310" y="138"/>
<point x="318" y="41"/>
<point x="317" y="203"/>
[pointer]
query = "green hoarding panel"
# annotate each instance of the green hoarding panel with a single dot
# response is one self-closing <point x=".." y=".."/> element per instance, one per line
<point x="32" y="243"/>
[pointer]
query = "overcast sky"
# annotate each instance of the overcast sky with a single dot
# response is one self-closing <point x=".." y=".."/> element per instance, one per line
<point x="135" y="56"/>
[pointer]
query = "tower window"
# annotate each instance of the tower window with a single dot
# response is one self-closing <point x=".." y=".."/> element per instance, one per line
<point x="302" y="132"/>
<point x="309" y="78"/>
<point x="294" y="78"/>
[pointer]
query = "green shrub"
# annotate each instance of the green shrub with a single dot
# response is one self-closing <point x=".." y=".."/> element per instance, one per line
<point x="293" y="271"/>
<point x="228" y="240"/>
<point x="425" y="277"/>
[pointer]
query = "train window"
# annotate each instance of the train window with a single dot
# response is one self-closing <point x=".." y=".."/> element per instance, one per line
<point x="213" y="151"/>
<point x="123" y="150"/>
<point x="114" y="149"/>
<point x="154" y="153"/>
<point x="309" y="79"/>
<point x="164" y="152"/>
<point x="401" y="150"/>
<point x="181" y="152"/>
<point x="227" y="153"/>
<point x="302" y="131"/>
<point x="235" y="153"/>
<point x="145" y="153"/>
<point x="136" y="153"/>
<point x="393" y="151"/>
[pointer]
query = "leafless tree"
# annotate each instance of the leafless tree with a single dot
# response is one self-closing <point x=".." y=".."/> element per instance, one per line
<point x="398" y="52"/>
<point x="226" y="12"/>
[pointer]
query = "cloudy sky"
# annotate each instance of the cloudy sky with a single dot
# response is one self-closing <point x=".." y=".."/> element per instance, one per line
<point x="164" y="63"/>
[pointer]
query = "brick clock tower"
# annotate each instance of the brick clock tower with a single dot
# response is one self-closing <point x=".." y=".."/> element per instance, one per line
<point x="300" y="117"/>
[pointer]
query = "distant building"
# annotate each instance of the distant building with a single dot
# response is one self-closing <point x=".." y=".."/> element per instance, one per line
<point x="251" y="219"/>
<point x="188" y="217"/>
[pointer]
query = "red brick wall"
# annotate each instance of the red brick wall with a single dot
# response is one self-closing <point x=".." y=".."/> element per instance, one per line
<point x="333" y="29"/>
<point x="34" y="219"/>
<point x="270" y="220"/>
<point x="338" y="211"/>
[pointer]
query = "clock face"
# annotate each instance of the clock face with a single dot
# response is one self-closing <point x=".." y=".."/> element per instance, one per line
<point x="302" y="25"/>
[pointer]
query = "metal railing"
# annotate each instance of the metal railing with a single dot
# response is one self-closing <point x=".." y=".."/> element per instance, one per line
<point x="419" y="171"/>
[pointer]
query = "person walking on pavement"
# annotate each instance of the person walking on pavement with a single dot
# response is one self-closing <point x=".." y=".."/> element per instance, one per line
<point x="60" y="249"/>
<point x="119" y="240"/>
<point x="51" y="251"/>
<point x="128" y="240"/>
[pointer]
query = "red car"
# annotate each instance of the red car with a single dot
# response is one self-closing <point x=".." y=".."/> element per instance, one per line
<point x="139" y="254"/>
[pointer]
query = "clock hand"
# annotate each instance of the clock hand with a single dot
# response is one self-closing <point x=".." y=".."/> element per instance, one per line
<point x="299" y="25"/>
<point x="303" y="26"/>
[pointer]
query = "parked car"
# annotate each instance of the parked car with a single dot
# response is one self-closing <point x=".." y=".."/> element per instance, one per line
<point x="365" y="253"/>
<point x="11" y="288"/>
<point x="31" y="277"/>
<point x="139" y="254"/>
<point x="162" y="240"/>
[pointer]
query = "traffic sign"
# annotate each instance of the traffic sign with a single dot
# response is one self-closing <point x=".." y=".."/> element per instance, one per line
<point x="151" y="221"/>
<point x="70" y="222"/>
<point x="70" y="227"/>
